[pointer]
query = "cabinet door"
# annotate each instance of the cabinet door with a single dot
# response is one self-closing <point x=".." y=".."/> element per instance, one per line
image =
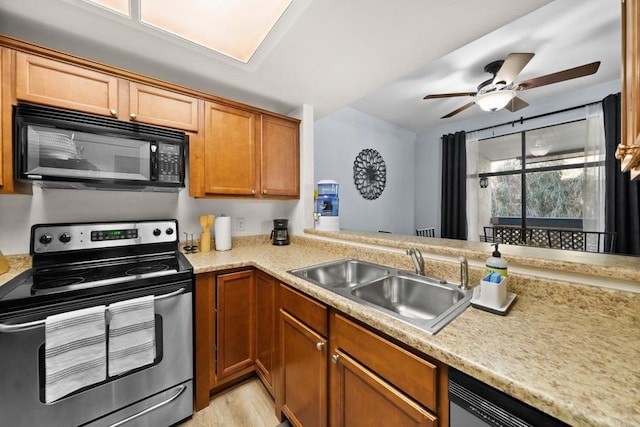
<point x="359" y="397"/>
<point x="148" y="104"/>
<point x="49" y="82"/>
<point x="235" y="323"/>
<point x="280" y="166"/>
<point x="5" y="137"/>
<point x="230" y="151"/>
<point x="304" y="373"/>
<point x="265" y="327"/>
<point x="630" y="127"/>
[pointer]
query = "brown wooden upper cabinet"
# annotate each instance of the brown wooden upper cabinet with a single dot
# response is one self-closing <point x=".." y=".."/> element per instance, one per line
<point x="155" y="106"/>
<point x="59" y="84"/>
<point x="245" y="154"/>
<point x="629" y="149"/>
<point x="280" y="166"/>
<point x="230" y="151"/>
<point x="8" y="184"/>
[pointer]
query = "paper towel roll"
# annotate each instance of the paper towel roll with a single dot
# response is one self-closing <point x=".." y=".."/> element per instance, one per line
<point x="222" y="233"/>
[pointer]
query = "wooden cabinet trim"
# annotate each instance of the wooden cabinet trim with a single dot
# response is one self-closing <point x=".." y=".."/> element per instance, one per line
<point x="309" y="311"/>
<point x="204" y="326"/>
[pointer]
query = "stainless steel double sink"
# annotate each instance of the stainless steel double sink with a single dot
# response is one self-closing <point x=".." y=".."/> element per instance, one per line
<point x="421" y="301"/>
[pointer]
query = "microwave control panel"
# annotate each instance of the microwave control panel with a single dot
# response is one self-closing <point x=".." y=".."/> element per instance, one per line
<point x="169" y="161"/>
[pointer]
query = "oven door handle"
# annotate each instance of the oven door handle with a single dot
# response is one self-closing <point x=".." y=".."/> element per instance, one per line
<point x="20" y="327"/>
<point x="152" y="408"/>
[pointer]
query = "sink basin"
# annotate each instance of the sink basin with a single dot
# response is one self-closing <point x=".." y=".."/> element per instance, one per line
<point x="424" y="302"/>
<point x="342" y="273"/>
<point x="412" y="298"/>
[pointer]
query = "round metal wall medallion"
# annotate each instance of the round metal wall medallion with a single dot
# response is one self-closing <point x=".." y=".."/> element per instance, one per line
<point x="369" y="173"/>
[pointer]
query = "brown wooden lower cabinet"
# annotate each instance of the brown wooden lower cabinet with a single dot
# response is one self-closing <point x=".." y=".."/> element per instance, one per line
<point x="321" y="367"/>
<point x="374" y="381"/>
<point x="360" y="397"/>
<point x="301" y="392"/>
<point x="304" y="373"/>
<point x="224" y="330"/>
<point x="266" y="287"/>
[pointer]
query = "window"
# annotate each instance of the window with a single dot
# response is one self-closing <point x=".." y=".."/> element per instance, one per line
<point x="235" y="28"/>
<point x="540" y="178"/>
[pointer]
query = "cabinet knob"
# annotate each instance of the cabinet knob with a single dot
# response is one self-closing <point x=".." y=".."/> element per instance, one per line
<point x="335" y="358"/>
<point x="113" y="112"/>
<point x="264" y="191"/>
<point x="320" y="345"/>
<point x="253" y="191"/>
<point x="133" y="116"/>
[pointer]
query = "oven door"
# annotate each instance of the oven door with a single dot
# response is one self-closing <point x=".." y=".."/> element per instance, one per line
<point x="158" y="394"/>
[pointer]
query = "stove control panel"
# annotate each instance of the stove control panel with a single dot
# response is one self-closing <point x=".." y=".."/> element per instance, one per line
<point x="49" y="238"/>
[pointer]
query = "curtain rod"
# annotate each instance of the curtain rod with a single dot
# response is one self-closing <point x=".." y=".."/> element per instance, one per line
<point x="523" y="119"/>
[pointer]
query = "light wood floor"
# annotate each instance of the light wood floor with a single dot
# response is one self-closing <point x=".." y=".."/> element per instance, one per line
<point x="248" y="404"/>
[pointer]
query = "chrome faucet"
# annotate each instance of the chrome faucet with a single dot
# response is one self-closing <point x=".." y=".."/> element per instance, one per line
<point x="464" y="274"/>
<point x="418" y="260"/>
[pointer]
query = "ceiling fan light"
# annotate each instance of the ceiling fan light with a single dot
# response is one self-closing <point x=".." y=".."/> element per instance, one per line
<point x="492" y="101"/>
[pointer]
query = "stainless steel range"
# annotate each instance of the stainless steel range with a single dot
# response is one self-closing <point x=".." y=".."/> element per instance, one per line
<point x="99" y="331"/>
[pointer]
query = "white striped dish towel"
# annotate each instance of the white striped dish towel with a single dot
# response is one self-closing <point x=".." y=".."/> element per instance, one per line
<point x="131" y="334"/>
<point x="75" y="351"/>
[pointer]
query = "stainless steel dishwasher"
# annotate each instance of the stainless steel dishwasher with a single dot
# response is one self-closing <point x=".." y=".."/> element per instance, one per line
<point x="473" y="403"/>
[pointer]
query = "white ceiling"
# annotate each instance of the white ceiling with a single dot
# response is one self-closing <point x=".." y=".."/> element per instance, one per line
<point x="325" y="53"/>
<point x="334" y="53"/>
<point x="563" y="34"/>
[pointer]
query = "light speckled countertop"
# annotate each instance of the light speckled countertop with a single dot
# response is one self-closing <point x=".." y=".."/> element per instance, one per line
<point x="596" y="264"/>
<point x="569" y="349"/>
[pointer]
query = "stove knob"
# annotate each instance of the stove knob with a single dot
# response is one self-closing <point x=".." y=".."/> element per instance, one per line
<point x="169" y="231"/>
<point x="157" y="232"/>
<point x="46" y="238"/>
<point x="65" y="237"/>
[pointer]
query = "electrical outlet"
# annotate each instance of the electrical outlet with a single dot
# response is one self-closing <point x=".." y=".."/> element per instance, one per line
<point x="240" y="224"/>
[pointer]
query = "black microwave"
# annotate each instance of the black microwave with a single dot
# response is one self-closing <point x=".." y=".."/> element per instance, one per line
<point x="68" y="149"/>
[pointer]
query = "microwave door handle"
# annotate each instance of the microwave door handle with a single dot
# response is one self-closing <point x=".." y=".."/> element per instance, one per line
<point x="154" y="161"/>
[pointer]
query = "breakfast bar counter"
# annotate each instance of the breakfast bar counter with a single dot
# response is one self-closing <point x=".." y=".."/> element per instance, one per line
<point x="568" y="349"/>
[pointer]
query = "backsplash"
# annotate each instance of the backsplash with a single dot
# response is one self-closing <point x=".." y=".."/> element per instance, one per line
<point x="18" y="212"/>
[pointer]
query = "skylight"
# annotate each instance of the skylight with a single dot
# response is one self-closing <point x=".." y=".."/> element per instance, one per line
<point x="120" y="6"/>
<point x="234" y="28"/>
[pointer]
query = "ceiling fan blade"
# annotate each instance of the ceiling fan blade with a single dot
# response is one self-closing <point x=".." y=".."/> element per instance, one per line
<point x="560" y="76"/>
<point x="454" y="112"/>
<point x="516" y="104"/>
<point x="449" y="95"/>
<point x="512" y="66"/>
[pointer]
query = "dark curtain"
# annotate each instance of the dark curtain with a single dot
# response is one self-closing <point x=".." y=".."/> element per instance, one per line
<point x="622" y="196"/>
<point x="453" y="222"/>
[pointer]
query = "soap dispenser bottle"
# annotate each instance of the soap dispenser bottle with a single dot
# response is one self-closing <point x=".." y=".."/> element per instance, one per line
<point x="495" y="263"/>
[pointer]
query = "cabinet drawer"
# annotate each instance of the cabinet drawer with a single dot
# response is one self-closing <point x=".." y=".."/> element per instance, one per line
<point x="414" y="376"/>
<point x="305" y="309"/>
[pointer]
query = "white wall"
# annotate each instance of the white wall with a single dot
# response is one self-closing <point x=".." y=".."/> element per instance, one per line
<point x="18" y="212"/>
<point x="338" y="138"/>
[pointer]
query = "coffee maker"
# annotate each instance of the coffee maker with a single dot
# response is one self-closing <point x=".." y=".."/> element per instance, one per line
<point x="280" y="232"/>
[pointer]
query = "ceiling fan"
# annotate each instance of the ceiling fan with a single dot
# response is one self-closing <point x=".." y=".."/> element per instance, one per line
<point x="500" y="91"/>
